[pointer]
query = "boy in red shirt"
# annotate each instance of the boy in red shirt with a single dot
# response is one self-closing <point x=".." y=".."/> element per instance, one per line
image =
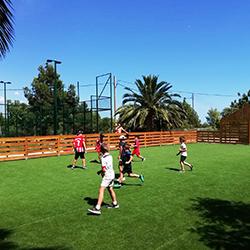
<point x="136" y="150"/>
<point x="80" y="149"/>
<point x="99" y="143"/>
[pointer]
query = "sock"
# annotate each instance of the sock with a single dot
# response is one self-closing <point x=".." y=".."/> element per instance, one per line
<point x="98" y="207"/>
<point x="115" y="203"/>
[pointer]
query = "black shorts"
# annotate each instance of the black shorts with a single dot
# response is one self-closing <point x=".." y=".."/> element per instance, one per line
<point x="127" y="168"/>
<point x="183" y="158"/>
<point x="79" y="154"/>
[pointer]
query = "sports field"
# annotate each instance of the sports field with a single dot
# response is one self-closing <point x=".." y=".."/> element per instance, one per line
<point x="43" y="203"/>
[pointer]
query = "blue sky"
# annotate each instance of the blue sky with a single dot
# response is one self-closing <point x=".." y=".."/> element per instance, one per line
<point x="197" y="46"/>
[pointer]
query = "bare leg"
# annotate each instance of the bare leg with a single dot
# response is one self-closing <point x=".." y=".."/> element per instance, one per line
<point x="74" y="163"/>
<point x="83" y="163"/>
<point x="188" y="164"/>
<point x="121" y="174"/>
<point x="134" y="175"/>
<point x="100" y="197"/>
<point x="141" y="157"/>
<point x="112" y="195"/>
<point x="182" y="166"/>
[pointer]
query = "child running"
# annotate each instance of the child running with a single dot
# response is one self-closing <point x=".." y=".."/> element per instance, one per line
<point x="108" y="176"/>
<point x="127" y="165"/>
<point x="183" y="153"/>
<point x="119" y="129"/>
<point x="121" y="146"/>
<point x="99" y="142"/>
<point x="80" y="149"/>
<point x="136" y="150"/>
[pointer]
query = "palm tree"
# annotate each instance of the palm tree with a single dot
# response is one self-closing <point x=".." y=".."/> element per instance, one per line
<point x="6" y="27"/>
<point x="151" y="107"/>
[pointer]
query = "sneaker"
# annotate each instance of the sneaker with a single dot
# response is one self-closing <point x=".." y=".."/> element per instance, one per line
<point x="94" y="211"/>
<point x="181" y="171"/>
<point x="84" y="167"/>
<point x="191" y="167"/>
<point x="72" y="167"/>
<point x="141" y="178"/>
<point x="117" y="185"/>
<point x="112" y="205"/>
<point x="143" y="159"/>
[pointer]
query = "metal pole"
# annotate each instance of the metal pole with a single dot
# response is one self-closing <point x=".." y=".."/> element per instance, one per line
<point x="111" y="104"/>
<point x="8" y="120"/>
<point x="97" y="98"/>
<point x="5" y="107"/>
<point x="193" y="100"/>
<point x="91" y="115"/>
<point x="114" y="96"/>
<point x="5" y="110"/>
<point x="78" y="90"/>
<point x="55" y="100"/>
<point x="84" y="116"/>
<point x="55" y="93"/>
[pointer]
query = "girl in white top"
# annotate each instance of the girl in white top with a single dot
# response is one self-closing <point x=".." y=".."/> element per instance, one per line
<point x="183" y="153"/>
<point x="108" y="176"/>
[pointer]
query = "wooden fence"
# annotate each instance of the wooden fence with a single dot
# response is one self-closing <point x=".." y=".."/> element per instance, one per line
<point x="234" y="133"/>
<point x="43" y="146"/>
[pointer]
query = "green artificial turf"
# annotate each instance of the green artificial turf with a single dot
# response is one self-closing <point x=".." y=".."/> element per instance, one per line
<point x="43" y="203"/>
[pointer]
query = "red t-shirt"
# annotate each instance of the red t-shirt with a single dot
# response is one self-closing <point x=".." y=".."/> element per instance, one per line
<point x="98" y="145"/>
<point x="137" y="143"/>
<point x="78" y="143"/>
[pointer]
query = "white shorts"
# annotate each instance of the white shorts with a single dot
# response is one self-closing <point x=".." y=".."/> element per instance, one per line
<point x="107" y="182"/>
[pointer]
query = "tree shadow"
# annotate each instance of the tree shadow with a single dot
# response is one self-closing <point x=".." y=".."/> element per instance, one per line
<point x="224" y="224"/>
<point x="5" y="244"/>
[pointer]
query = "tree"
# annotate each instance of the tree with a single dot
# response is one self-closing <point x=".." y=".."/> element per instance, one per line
<point x="41" y="100"/>
<point x="6" y="27"/>
<point x="105" y="124"/>
<point x="20" y="119"/>
<point x="213" y="118"/>
<point x="192" y="119"/>
<point x="237" y="104"/>
<point x="151" y="106"/>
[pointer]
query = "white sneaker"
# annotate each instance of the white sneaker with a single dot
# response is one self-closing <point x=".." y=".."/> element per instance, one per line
<point x="94" y="211"/>
<point x="113" y="206"/>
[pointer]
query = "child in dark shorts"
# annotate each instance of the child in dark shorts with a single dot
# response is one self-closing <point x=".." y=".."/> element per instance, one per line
<point x="127" y="165"/>
<point x="183" y="153"/>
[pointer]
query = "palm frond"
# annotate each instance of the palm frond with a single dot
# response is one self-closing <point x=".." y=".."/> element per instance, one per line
<point x="6" y="27"/>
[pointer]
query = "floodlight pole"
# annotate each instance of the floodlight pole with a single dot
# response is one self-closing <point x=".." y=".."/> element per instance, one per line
<point x="193" y="101"/>
<point x="97" y="101"/>
<point x="5" y="106"/>
<point x="55" y="93"/>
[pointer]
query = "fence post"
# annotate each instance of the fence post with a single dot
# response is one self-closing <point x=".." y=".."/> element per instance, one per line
<point x="248" y="132"/>
<point x="26" y="148"/>
<point x="58" y="142"/>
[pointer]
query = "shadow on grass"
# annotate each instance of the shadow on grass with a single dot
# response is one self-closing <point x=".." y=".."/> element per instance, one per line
<point x="93" y="202"/>
<point x="70" y="166"/>
<point x="132" y="184"/>
<point x="174" y="169"/>
<point x="224" y="224"/>
<point x="5" y="244"/>
<point x="95" y="161"/>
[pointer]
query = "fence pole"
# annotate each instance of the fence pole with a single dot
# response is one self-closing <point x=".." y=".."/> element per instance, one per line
<point x="248" y="132"/>
<point x="26" y="148"/>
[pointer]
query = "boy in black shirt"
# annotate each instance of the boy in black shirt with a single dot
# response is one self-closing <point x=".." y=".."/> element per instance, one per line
<point x="126" y="159"/>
